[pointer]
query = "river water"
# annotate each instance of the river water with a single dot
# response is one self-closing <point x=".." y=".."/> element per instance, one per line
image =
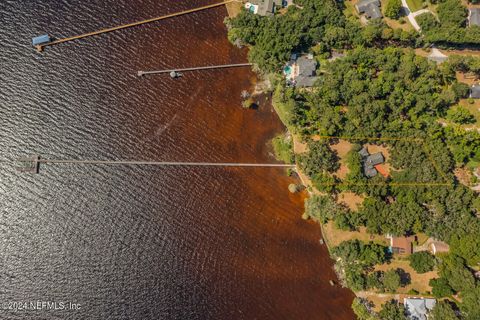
<point x="145" y="242"/>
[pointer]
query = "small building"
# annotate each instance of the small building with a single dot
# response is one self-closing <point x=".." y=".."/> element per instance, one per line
<point x="401" y="245"/>
<point x="475" y="91"/>
<point x="474" y="17"/>
<point x="371" y="161"/>
<point x="418" y="308"/>
<point x="371" y="8"/>
<point x="41" y="40"/>
<point x="264" y="7"/>
<point x="301" y="71"/>
<point x="439" y="247"/>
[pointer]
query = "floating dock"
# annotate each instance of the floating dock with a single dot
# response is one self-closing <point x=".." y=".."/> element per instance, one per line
<point x="28" y="165"/>
<point x="175" y="71"/>
<point x="39" y="45"/>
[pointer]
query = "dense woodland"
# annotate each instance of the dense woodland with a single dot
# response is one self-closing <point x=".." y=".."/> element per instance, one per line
<point x="382" y="89"/>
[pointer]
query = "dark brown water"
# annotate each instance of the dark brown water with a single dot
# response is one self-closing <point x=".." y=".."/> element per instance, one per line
<point x="145" y="242"/>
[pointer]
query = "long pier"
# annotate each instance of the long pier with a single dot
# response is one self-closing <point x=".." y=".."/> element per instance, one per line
<point x="40" y="47"/>
<point x="167" y="163"/>
<point x="223" y="66"/>
<point x="32" y="164"/>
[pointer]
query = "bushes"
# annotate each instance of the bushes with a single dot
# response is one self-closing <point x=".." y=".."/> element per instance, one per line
<point x="440" y="288"/>
<point x="452" y="13"/>
<point x="323" y="208"/>
<point x="283" y="148"/>
<point x="460" y="115"/>
<point x="319" y="159"/>
<point x="392" y="9"/>
<point x="422" y="261"/>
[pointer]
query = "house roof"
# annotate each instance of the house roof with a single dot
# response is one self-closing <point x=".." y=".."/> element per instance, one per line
<point x="401" y="245"/>
<point x="417" y="308"/>
<point x="364" y="152"/>
<point x="370" y="171"/>
<point x="371" y="8"/>
<point x="439" y="246"/>
<point x="475" y="91"/>
<point x="474" y="17"/>
<point x="265" y="7"/>
<point x="307" y="71"/>
<point x="382" y="170"/>
<point x="374" y="159"/>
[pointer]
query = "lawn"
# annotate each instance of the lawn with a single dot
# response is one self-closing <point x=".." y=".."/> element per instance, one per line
<point x="415" y="5"/>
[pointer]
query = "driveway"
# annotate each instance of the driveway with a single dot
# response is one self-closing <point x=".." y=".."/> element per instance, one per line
<point x="411" y="15"/>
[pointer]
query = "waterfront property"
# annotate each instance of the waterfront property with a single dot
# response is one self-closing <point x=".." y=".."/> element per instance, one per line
<point x="401" y="245"/>
<point x="475" y="91"/>
<point x="264" y="7"/>
<point x="301" y="71"/>
<point x="418" y="308"/>
<point x="474" y="17"/>
<point x="371" y="8"/>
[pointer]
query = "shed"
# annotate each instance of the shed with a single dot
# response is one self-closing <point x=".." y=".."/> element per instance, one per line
<point x="475" y="91"/>
<point x="474" y="17"/>
<point x="41" y="40"/>
<point x="439" y="247"/>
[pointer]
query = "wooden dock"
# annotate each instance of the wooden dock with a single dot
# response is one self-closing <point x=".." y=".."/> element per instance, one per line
<point x="31" y="164"/>
<point x="40" y="47"/>
<point x="223" y="66"/>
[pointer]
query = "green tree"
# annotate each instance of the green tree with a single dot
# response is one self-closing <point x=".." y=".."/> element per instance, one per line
<point x="443" y="311"/>
<point x="393" y="9"/>
<point x="460" y="115"/>
<point x="319" y="159"/>
<point x="422" y="261"/>
<point x="440" y="287"/>
<point x="392" y="311"/>
<point x="362" y="309"/>
<point x="391" y="280"/>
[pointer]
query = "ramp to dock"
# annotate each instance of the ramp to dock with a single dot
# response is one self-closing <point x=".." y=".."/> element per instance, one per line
<point x="223" y="66"/>
<point x="40" y="47"/>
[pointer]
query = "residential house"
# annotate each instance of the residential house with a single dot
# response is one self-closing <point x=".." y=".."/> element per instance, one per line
<point x="371" y="162"/>
<point x="418" y="308"/>
<point x="401" y="245"/>
<point x="371" y="8"/>
<point x="263" y="7"/>
<point x="474" y="17"/>
<point x="301" y="71"/>
<point x="475" y="91"/>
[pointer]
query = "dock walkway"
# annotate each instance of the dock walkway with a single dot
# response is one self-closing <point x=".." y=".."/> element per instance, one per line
<point x="40" y="47"/>
<point x="223" y="66"/>
<point x="32" y="164"/>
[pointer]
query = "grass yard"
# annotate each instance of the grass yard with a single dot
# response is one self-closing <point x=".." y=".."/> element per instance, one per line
<point x="474" y="109"/>
<point x="415" y="5"/>
<point x="336" y="236"/>
<point x="419" y="281"/>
